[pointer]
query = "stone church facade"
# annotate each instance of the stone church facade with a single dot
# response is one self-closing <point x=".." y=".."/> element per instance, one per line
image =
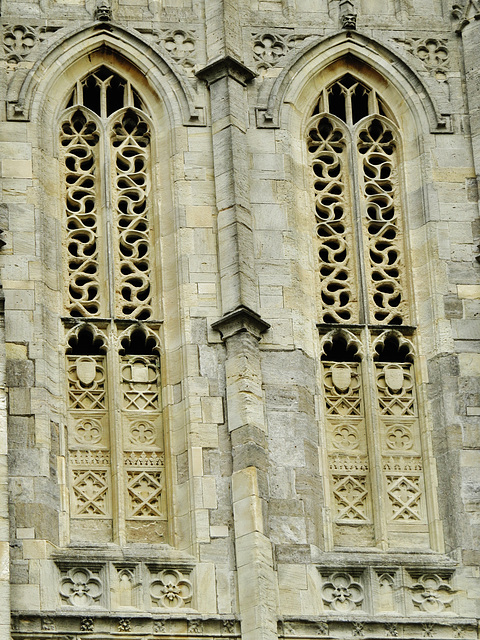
<point x="240" y="346"/>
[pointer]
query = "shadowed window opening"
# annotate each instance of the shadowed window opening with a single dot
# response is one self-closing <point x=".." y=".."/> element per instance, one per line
<point x="338" y="350"/>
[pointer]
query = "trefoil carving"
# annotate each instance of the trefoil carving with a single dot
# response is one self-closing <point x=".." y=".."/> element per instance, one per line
<point x="181" y="47"/>
<point x="19" y="40"/>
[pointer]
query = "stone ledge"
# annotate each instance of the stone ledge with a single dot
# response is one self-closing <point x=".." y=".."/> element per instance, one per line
<point x="223" y="67"/>
<point x="242" y="319"/>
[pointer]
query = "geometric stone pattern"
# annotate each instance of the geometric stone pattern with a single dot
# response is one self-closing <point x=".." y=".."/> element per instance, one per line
<point x="239" y="371"/>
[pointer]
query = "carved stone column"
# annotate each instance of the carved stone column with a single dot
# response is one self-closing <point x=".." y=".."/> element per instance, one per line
<point x="241" y="326"/>
<point x="241" y="331"/>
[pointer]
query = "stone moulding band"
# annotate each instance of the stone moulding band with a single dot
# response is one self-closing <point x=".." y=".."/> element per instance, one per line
<point x="66" y="42"/>
<point x="356" y="44"/>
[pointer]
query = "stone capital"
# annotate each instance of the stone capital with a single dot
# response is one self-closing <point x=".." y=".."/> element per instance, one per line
<point x="226" y="66"/>
<point x="242" y="319"/>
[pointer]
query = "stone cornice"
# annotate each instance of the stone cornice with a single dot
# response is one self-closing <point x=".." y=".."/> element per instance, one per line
<point x="242" y="319"/>
<point x="223" y="67"/>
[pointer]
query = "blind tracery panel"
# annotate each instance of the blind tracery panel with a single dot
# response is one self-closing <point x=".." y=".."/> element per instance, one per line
<point x="115" y="433"/>
<point x="373" y="452"/>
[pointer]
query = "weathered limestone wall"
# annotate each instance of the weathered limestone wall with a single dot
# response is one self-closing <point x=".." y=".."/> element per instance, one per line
<point x="253" y="547"/>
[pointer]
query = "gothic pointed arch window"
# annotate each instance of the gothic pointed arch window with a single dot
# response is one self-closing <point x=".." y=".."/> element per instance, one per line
<point x="115" y="442"/>
<point x="375" y="452"/>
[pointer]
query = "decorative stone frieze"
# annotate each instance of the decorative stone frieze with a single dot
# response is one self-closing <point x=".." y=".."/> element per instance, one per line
<point x="19" y="40"/>
<point x="270" y="48"/>
<point x="124" y="625"/>
<point x="87" y="624"/>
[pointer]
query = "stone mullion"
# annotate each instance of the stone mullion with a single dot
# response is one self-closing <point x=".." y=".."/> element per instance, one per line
<point x="329" y="509"/>
<point x="116" y="445"/>
<point x="108" y="220"/>
<point x="373" y="432"/>
<point x="435" y="527"/>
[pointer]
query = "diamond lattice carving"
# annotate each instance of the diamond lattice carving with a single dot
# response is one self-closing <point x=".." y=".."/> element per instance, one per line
<point x="90" y="493"/>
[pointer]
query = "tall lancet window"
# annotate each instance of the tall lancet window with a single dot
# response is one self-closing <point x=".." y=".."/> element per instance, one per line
<point x="115" y="442"/>
<point x="375" y="448"/>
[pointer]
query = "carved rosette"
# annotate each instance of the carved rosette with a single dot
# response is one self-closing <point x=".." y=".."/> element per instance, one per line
<point x="80" y="587"/>
<point x="171" y="589"/>
<point x="342" y="593"/>
<point x="432" y="594"/>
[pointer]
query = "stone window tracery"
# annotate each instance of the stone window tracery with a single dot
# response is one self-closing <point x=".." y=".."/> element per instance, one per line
<point x="115" y="444"/>
<point x="373" y="433"/>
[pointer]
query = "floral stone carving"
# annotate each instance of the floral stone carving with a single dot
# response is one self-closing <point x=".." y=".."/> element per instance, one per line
<point x="432" y="594"/>
<point x="80" y="587"/>
<point x="171" y="589"/>
<point x="342" y="593"/>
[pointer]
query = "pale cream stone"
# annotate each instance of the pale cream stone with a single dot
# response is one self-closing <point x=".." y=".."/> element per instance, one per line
<point x="248" y="514"/>
<point x="469" y="291"/>
<point x="469" y="364"/>
<point x="25" y="596"/>
<point x="205" y="587"/>
<point x="196" y="461"/>
<point x="212" y="410"/>
<point x="209" y="493"/>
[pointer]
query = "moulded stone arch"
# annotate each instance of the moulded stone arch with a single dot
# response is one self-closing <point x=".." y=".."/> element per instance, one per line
<point x="294" y="82"/>
<point x="25" y="94"/>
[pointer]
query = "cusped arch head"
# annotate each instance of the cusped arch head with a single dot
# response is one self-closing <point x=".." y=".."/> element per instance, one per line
<point x="344" y="341"/>
<point x="393" y="346"/>
<point x="320" y="63"/>
<point x="86" y="338"/>
<point x="139" y="339"/>
<point x="73" y="53"/>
